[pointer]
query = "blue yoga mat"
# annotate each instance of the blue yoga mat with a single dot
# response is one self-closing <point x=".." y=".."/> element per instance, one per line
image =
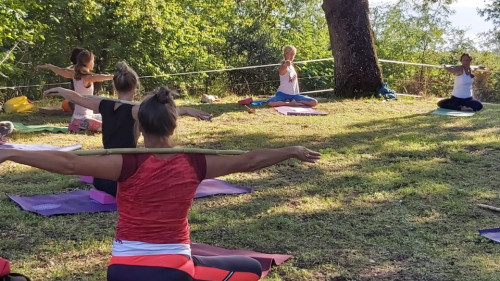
<point x="79" y="201"/>
<point x="449" y="112"/>
<point x="491" y="233"/>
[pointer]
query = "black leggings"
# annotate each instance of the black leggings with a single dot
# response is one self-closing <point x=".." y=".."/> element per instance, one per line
<point x="216" y="268"/>
<point x="455" y="103"/>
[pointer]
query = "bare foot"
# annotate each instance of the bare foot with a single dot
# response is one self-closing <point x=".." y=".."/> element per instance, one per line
<point x="293" y="103"/>
<point x="466" y="108"/>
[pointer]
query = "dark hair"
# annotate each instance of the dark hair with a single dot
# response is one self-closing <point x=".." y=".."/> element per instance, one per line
<point x="125" y="79"/>
<point x="158" y="113"/>
<point x="465" y="54"/>
<point x="82" y="64"/>
<point x="74" y="54"/>
<point x="468" y="55"/>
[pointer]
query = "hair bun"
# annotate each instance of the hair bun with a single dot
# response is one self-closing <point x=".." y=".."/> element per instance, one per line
<point x="164" y="95"/>
<point x="121" y="67"/>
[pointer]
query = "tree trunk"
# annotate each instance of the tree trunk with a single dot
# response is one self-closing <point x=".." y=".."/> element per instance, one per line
<point x="357" y="72"/>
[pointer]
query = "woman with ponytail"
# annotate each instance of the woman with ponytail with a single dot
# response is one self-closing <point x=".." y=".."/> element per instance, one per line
<point x="83" y="83"/>
<point x="155" y="193"/>
<point x="119" y="126"/>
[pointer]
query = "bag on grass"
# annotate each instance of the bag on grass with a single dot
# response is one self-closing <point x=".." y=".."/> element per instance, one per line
<point x="18" y="104"/>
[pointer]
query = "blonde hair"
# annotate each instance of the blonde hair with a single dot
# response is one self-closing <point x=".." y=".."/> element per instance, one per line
<point x="289" y="48"/>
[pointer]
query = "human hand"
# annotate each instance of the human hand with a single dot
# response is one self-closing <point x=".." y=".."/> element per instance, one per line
<point x="199" y="114"/>
<point x="306" y="155"/>
<point x="54" y="92"/>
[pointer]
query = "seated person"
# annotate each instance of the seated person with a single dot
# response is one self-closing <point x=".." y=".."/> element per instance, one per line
<point x="461" y="97"/>
<point x="288" y="91"/>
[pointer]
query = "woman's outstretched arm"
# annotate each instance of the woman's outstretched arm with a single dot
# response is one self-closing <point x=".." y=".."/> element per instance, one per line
<point x="218" y="165"/>
<point x="64" y="72"/>
<point x="74" y="97"/>
<point x="67" y="163"/>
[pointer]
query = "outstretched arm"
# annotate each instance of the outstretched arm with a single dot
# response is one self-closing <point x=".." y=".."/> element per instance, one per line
<point x="67" y="163"/>
<point x="196" y="113"/>
<point x="74" y="97"/>
<point x="218" y="165"/>
<point x="92" y="78"/>
<point x="64" y="72"/>
<point x="455" y="69"/>
<point x="201" y="115"/>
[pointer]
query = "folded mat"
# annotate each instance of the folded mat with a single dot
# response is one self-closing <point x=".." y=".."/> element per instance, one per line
<point x="21" y="146"/>
<point x="266" y="260"/>
<point x="294" y="110"/>
<point x="79" y="201"/>
<point x="449" y="112"/>
<point x="38" y="128"/>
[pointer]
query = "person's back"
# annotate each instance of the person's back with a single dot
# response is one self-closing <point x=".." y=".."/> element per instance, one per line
<point x="81" y="112"/>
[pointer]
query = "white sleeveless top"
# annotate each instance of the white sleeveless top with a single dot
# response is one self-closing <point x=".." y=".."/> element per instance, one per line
<point x="289" y="83"/>
<point x="462" y="88"/>
<point x="81" y="112"/>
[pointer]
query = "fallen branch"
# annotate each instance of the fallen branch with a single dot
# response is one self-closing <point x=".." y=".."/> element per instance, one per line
<point x="488" y="207"/>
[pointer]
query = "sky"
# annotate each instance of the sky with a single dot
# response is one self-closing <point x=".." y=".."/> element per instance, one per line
<point x="465" y="17"/>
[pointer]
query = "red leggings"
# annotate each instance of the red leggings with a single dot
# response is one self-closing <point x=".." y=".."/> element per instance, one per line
<point x="182" y="268"/>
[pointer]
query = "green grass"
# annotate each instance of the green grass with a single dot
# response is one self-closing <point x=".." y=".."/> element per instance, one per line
<point x="393" y="197"/>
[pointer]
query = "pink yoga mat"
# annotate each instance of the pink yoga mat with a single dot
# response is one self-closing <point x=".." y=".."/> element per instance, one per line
<point x="296" y="110"/>
<point x="266" y="260"/>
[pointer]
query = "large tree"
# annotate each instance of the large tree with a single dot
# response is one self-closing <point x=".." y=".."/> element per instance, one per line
<point x="356" y="69"/>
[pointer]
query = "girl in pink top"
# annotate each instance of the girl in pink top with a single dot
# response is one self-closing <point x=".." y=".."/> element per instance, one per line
<point x="83" y="81"/>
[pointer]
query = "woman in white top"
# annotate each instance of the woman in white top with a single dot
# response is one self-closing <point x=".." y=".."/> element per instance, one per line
<point x="461" y="97"/>
<point x="288" y="91"/>
<point x="83" y="82"/>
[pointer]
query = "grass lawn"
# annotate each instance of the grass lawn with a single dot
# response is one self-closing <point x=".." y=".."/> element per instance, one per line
<point x="393" y="197"/>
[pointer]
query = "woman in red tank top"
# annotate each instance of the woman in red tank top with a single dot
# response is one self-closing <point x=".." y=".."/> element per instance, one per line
<point x="155" y="193"/>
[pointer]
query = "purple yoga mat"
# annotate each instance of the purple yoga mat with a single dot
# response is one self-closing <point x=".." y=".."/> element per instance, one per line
<point x="293" y="110"/>
<point x="266" y="260"/>
<point x="79" y="201"/>
<point x="492" y="233"/>
<point x="21" y="146"/>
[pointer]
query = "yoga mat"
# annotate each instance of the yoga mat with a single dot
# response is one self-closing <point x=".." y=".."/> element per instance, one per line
<point x="40" y="147"/>
<point x="492" y="233"/>
<point x="39" y="128"/>
<point x="79" y="201"/>
<point x="449" y="112"/>
<point x="266" y="260"/>
<point x="292" y="110"/>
